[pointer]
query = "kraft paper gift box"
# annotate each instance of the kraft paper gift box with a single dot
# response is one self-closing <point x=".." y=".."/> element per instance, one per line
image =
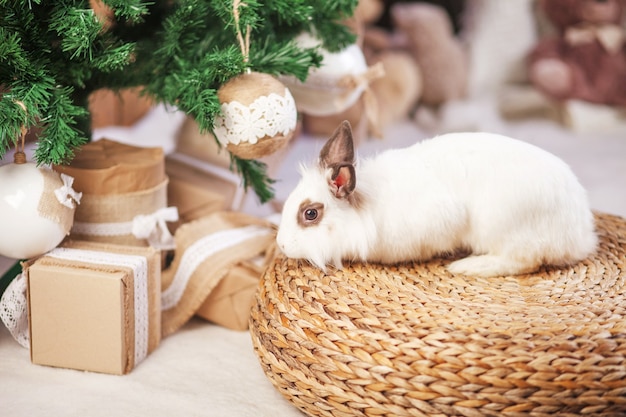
<point x="199" y="162"/>
<point x="209" y="251"/>
<point x="192" y="201"/>
<point x="213" y="178"/>
<point x="229" y="304"/>
<point x="123" y="107"/>
<point x="121" y="185"/>
<point x="117" y="108"/>
<point x="202" y="146"/>
<point x="94" y="307"/>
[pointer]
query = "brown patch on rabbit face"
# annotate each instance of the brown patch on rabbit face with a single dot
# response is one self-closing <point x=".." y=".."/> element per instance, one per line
<point x="310" y="213"/>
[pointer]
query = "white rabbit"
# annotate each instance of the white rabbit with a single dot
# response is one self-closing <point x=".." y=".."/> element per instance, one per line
<point x="512" y="205"/>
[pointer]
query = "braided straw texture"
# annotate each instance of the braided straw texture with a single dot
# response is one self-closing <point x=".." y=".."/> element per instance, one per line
<point x="414" y="340"/>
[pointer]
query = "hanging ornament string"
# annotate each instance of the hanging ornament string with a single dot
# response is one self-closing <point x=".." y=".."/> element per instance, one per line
<point x="244" y="42"/>
<point x="258" y="115"/>
<point x="20" y="156"/>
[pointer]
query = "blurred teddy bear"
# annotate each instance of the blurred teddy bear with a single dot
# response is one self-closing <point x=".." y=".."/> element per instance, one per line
<point x="440" y="55"/>
<point x="586" y="59"/>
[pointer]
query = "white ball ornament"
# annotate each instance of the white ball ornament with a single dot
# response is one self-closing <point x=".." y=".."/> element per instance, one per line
<point x="36" y="208"/>
<point x="258" y="115"/>
<point x="336" y="85"/>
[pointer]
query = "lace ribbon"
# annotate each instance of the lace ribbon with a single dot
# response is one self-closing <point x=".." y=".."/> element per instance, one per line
<point x="14" y="310"/>
<point x="143" y="226"/>
<point x="266" y="116"/>
<point x="139" y="266"/>
<point x="201" y="250"/>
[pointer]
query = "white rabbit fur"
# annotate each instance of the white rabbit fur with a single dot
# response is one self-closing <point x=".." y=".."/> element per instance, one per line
<point x="512" y="205"/>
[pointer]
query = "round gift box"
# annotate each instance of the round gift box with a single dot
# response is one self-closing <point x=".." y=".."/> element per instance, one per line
<point x="118" y="182"/>
<point x="415" y="340"/>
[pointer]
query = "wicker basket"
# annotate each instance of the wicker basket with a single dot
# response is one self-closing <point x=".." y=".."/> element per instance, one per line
<point x="414" y="340"/>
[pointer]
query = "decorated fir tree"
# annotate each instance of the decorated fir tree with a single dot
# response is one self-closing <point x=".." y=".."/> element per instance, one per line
<point x="54" y="54"/>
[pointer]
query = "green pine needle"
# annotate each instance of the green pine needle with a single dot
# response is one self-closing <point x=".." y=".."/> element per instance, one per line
<point x="78" y="30"/>
<point x="254" y="175"/>
<point x="60" y="129"/>
<point x="133" y="10"/>
<point x="115" y="58"/>
<point x="285" y="58"/>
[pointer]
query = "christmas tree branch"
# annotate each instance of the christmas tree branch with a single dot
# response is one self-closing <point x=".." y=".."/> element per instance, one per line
<point x="132" y="10"/>
<point x="284" y="58"/>
<point x="60" y="136"/>
<point x="53" y="55"/>
<point x="254" y="175"/>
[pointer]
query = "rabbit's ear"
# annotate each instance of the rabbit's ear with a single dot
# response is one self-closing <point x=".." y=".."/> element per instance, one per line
<point x="338" y="155"/>
<point x="339" y="149"/>
<point x="342" y="180"/>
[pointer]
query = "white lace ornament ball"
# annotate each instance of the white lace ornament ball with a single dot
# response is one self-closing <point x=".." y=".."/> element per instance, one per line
<point x="258" y="115"/>
<point x="335" y="85"/>
<point x="36" y="209"/>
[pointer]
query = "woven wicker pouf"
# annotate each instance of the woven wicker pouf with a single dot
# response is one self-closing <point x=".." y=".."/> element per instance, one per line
<point x="414" y="340"/>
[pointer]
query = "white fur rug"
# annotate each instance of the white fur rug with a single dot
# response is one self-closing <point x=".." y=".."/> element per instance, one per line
<point x="203" y="370"/>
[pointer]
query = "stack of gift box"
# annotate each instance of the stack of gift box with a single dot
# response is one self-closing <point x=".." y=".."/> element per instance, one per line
<point x="156" y="240"/>
<point x="200" y="179"/>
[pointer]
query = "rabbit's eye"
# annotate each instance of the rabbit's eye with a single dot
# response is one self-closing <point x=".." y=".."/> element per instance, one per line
<point x="310" y="214"/>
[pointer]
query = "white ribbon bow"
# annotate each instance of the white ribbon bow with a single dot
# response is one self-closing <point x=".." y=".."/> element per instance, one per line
<point x="66" y="194"/>
<point x="153" y="228"/>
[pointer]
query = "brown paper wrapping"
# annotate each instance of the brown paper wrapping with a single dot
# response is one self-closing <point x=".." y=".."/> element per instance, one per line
<point x="198" y="173"/>
<point x="230" y="302"/>
<point x="117" y="108"/>
<point x="203" y="146"/>
<point x="107" y="167"/>
<point x="193" y="202"/>
<point x="81" y="315"/>
<point x="213" y="269"/>
<point x="118" y="182"/>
